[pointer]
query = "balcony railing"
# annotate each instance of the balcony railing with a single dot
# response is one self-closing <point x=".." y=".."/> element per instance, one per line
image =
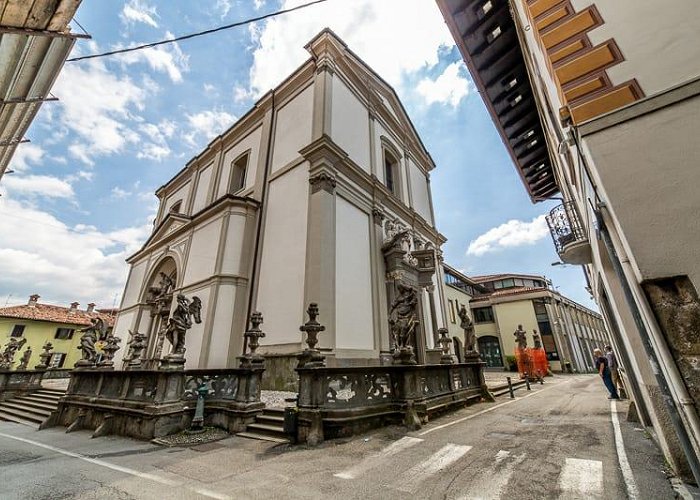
<point x="568" y="235"/>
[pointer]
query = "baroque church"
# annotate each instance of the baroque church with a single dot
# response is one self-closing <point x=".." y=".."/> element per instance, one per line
<point x="320" y="193"/>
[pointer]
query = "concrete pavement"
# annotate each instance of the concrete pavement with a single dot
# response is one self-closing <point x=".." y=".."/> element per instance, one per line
<point x="557" y="441"/>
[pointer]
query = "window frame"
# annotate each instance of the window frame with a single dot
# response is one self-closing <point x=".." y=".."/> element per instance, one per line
<point x="70" y="331"/>
<point x="389" y="149"/>
<point x="15" y="328"/>
<point x="476" y="312"/>
<point x="245" y="155"/>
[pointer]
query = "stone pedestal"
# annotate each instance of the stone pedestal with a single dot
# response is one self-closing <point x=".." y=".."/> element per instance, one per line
<point x="172" y="363"/>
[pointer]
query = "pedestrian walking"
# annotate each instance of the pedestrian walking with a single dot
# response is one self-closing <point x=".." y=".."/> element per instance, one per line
<point x="614" y="368"/>
<point x="601" y="364"/>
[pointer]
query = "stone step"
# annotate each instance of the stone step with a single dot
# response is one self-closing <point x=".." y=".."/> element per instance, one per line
<point x="270" y="419"/>
<point x="262" y="437"/>
<point x="266" y="429"/>
<point x="48" y="390"/>
<point x="15" y="405"/>
<point x="45" y="393"/>
<point x="37" y="401"/>
<point x="25" y="416"/>
<point x="274" y="412"/>
<point x="7" y="417"/>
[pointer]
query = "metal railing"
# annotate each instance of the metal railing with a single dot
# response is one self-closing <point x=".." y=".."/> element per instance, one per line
<point x="564" y="225"/>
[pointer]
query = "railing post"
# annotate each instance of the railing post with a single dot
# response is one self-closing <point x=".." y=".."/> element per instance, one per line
<point x="510" y="388"/>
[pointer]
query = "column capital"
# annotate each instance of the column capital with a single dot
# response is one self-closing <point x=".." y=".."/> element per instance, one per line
<point x="322" y="181"/>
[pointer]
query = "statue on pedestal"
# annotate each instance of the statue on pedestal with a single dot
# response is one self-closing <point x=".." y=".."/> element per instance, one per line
<point x="24" y="360"/>
<point x="8" y="355"/>
<point x="91" y="334"/>
<point x="467" y="325"/>
<point x="45" y="356"/>
<point x="180" y="321"/>
<point x="520" y="337"/>
<point x="537" y="341"/>
<point x="403" y="322"/>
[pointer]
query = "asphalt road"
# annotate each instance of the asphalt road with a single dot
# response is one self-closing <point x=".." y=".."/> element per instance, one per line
<point x="557" y="441"/>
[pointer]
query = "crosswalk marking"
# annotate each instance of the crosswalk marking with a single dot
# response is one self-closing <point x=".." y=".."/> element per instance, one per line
<point x="370" y="462"/>
<point x="581" y="479"/>
<point x="438" y="461"/>
<point x="489" y="485"/>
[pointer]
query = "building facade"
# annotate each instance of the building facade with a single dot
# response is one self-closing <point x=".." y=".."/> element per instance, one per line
<point x="459" y="291"/>
<point x="598" y="103"/>
<point x="40" y="323"/>
<point x="300" y="201"/>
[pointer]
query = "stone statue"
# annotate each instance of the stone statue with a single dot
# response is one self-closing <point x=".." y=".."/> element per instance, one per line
<point x="536" y="339"/>
<point x="180" y="321"/>
<point x="136" y="344"/>
<point x="91" y="334"/>
<point x="24" y="360"/>
<point x="45" y="356"/>
<point x="467" y="325"/>
<point x="110" y="347"/>
<point x="403" y="322"/>
<point x="520" y="337"/>
<point x="8" y="354"/>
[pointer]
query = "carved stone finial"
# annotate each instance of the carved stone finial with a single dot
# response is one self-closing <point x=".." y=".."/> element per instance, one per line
<point x="445" y="341"/>
<point x="251" y="359"/>
<point x="322" y="181"/>
<point x="44" y="356"/>
<point x="312" y="357"/>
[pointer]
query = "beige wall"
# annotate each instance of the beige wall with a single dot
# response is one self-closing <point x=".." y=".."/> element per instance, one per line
<point x="350" y="124"/>
<point x="293" y="128"/>
<point x="251" y="142"/>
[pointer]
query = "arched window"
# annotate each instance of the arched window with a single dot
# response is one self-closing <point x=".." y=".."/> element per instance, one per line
<point x="239" y="167"/>
<point x="175" y="208"/>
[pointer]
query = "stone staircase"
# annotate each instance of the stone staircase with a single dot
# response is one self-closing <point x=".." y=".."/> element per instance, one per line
<point x="269" y="426"/>
<point x="32" y="409"/>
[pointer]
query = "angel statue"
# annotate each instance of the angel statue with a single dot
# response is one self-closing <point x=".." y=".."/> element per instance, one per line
<point x="180" y="321"/>
<point x="91" y="334"/>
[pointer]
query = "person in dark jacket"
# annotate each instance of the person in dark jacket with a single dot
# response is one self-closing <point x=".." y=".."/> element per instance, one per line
<point x="601" y="364"/>
<point x="614" y="367"/>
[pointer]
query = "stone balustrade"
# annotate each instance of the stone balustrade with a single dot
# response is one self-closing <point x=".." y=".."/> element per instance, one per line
<point x="19" y="382"/>
<point x="341" y="401"/>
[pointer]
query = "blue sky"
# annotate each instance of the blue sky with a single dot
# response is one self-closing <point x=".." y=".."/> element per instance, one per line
<point x="81" y="198"/>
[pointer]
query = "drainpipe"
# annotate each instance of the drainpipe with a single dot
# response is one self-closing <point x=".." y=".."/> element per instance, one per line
<point x="263" y="211"/>
<point x="666" y="394"/>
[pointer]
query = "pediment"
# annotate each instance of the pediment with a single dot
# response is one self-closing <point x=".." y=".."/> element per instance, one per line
<point x="171" y="223"/>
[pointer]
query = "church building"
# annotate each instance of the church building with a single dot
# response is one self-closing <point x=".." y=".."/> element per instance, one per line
<point x="320" y="193"/>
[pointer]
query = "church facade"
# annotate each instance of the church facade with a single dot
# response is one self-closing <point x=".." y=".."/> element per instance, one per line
<point x="320" y="193"/>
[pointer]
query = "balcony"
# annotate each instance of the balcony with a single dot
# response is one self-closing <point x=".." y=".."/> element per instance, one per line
<point x="569" y="238"/>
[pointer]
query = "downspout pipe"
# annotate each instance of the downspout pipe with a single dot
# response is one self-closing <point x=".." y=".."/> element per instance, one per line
<point x="666" y="395"/>
<point x="261" y="215"/>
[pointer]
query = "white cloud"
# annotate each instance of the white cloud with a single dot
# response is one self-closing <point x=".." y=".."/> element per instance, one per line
<point x="513" y="233"/>
<point x="207" y="124"/>
<point x="140" y="12"/>
<point x="119" y="193"/>
<point x="448" y="88"/>
<point x="44" y="185"/>
<point x="258" y="4"/>
<point x="223" y="6"/>
<point x="166" y="58"/>
<point x="158" y="149"/>
<point x="153" y="152"/>
<point x="97" y="105"/>
<point x="26" y="154"/>
<point x="393" y="36"/>
<point x="40" y="254"/>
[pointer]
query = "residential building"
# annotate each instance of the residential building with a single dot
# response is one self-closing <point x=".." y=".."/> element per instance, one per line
<point x="295" y="203"/>
<point x="598" y="104"/>
<point x="568" y="331"/>
<point x="40" y="323"/>
<point x="35" y="41"/>
<point x="459" y="290"/>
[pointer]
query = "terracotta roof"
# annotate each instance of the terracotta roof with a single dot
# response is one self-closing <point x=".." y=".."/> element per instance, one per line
<point x="54" y="314"/>
<point x="490" y="277"/>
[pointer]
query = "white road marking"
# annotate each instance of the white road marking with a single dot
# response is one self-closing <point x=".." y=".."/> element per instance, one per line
<point x="438" y="461"/>
<point x="370" y="462"/>
<point x="581" y="479"/>
<point x="119" y="468"/>
<point x="630" y="483"/>
<point x="468" y="417"/>
<point x="491" y="483"/>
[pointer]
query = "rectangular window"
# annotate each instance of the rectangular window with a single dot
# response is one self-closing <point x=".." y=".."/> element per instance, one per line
<point x="57" y="360"/>
<point x="389" y="175"/>
<point x="17" y="331"/>
<point x="483" y="315"/>
<point x="64" y="333"/>
<point x="452" y="312"/>
<point x="498" y="284"/>
<point x="238" y="171"/>
<point x="509" y="283"/>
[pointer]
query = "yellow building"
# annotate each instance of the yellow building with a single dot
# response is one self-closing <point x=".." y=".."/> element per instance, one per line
<point x="459" y="290"/>
<point x="569" y="331"/>
<point x="41" y="323"/>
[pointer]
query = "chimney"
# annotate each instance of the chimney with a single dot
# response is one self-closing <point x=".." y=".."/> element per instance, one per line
<point x="33" y="299"/>
<point x="74" y="307"/>
<point x="91" y="307"/>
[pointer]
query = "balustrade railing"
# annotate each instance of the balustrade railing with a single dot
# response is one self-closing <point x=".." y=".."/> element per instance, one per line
<point x="564" y="225"/>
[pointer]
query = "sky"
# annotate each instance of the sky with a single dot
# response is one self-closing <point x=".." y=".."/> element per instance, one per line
<point x="81" y="199"/>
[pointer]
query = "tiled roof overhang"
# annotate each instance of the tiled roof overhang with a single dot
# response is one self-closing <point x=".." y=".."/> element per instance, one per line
<point x="498" y="69"/>
<point x="34" y="44"/>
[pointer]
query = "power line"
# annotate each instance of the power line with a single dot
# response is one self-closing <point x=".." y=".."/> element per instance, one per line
<point x="197" y="34"/>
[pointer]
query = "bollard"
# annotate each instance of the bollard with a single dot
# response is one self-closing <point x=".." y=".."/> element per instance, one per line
<point x="197" y="424"/>
<point x="527" y="383"/>
<point x="510" y="388"/>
